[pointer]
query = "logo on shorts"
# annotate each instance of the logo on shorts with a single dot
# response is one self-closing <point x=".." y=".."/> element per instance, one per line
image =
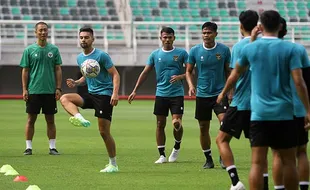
<point x="181" y="108"/>
<point x="100" y="111"/>
<point x="218" y="56"/>
<point x="50" y="54"/>
<point x="175" y="58"/>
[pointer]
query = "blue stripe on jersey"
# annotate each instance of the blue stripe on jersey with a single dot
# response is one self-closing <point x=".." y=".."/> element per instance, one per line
<point x="102" y="84"/>
<point x="167" y="64"/>
<point x="210" y="65"/>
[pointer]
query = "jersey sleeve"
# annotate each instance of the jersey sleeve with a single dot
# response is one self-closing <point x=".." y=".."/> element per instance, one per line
<point x="58" y="60"/>
<point x="151" y="59"/>
<point x="295" y="59"/>
<point x="191" y="57"/>
<point x="234" y="58"/>
<point x="243" y="60"/>
<point x="185" y="57"/>
<point x="25" y="59"/>
<point x="107" y="61"/>
<point x="305" y="58"/>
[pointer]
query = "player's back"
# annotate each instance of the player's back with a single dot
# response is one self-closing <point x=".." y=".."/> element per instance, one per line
<point x="271" y="61"/>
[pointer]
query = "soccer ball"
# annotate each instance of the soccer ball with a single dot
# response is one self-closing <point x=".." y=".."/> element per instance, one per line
<point x="90" y="68"/>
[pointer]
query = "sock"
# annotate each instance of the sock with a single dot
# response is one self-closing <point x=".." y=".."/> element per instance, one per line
<point x="233" y="174"/>
<point x="304" y="185"/>
<point x="266" y="181"/>
<point x="279" y="187"/>
<point x="28" y="144"/>
<point x="177" y="145"/>
<point x="52" y="143"/>
<point x="112" y="161"/>
<point x="78" y="115"/>
<point x="207" y="154"/>
<point x="161" y="150"/>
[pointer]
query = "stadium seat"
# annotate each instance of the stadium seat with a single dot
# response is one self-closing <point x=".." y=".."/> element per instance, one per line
<point x="73" y="3"/>
<point x="15" y="10"/>
<point x="173" y="5"/>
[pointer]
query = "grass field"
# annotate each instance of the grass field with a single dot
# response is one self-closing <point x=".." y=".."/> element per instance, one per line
<point x="83" y="153"/>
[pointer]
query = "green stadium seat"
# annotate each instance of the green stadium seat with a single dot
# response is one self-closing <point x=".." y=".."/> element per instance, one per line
<point x="153" y="27"/>
<point x="144" y="4"/>
<point x="234" y="19"/>
<point x="301" y="5"/>
<point x="177" y="19"/>
<point x="214" y="13"/>
<point x="241" y="5"/>
<point x="119" y="36"/>
<point x="27" y="17"/>
<point x="173" y="5"/>
<point x="292" y="13"/>
<point x="212" y="5"/>
<point x="175" y="13"/>
<point x="20" y="35"/>
<point x="73" y="3"/>
<point x="136" y="12"/>
<point x="154" y="4"/>
<point x="193" y="5"/>
<point x="64" y="11"/>
<point x="148" y="18"/>
<point x="158" y="18"/>
<point x="167" y="19"/>
<point x="195" y="13"/>
<point x="194" y="27"/>
<point x="15" y="11"/>
<point x="280" y="5"/>
<point x="186" y="19"/>
<point x="165" y="12"/>
<point x="203" y="4"/>
<point x="146" y="12"/>
<point x="185" y="12"/>
<point x="196" y="19"/>
<point x="103" y="12"/>
<point x="141" y="27"/>
<point x="134" y="3"/>
<point x="302" y="13"/>
<point x="224" y="13"/>
<point x="282" y="12"/>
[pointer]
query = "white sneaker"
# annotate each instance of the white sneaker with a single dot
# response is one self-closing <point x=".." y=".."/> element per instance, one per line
<point x="174" y="155"/>
<point x="161" y="160"/>
<point x="238" y="186"/>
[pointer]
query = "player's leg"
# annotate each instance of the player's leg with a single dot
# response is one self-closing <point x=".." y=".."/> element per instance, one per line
<point x="177" y="109"/>
<point x="220" y="110"/>
<point x="203" y="114"/>
<point x="161" y="110"/>
<point x="277" y="172"/>
<point x="259" y="157"/>
<point x="49" y="109"/>
<point x="70" y="102"/>
<point x="303" y="167"/>
<point x="33" y="107"/>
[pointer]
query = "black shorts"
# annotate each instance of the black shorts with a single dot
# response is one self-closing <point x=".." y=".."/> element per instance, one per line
<point x="274" y="134"/>
<point x="45" y="101"/>
<point x="101" y="104"/>
<point x="164" y="104"/>
<point x="302" y="133"/>
<point x="235" y="122"/>
<point x="204" y="107"/>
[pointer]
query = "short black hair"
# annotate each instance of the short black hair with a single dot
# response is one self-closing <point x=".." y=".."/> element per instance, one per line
<point x="39" y="23"/>
<point x="87" y="29"/>
<point x="270" y="20"/>
<point x="248" y="19"/>
<point x="210" y="25"/>
<point x="283" y="30"/>
<point x="167" y="30"/>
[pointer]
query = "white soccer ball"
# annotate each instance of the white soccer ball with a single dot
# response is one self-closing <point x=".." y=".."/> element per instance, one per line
<point x="90" y="68"/>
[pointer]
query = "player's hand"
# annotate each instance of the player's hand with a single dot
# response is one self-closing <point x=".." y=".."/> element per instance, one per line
<point x="307" y="122"/>
<point x="191" y="91"/>
<point x="255" y="32"/>
<point x="131" y="97"/>
<point x="57" y="94"/>
<point x="70" y="83"/>
<point x="220" y="98"/>
<point x="230" y="97"/>
<point x="175" y="78"/>
<point x="25" y="95"/>
<point x="114" y="99"/>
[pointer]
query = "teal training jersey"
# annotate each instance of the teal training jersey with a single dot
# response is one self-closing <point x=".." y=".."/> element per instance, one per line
<point x="167" y="64"/>
<point x="41" y="62"/>
<point x="299" y="108"/>
<point x="242" y="93"/>
<point x="271" y="61"/>
<point x="210" y="63"/>
<point x="102" y="83"/>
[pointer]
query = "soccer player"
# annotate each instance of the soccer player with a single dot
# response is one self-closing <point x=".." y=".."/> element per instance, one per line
<point x="299" y="115"/>
<point x="168" y="62"/>
<point x="41" y="80"/>
<point x="272" y="62"/>
<point x="237" y="117"/>
<point x="102" y="94"/>
<point x="212" y="60"/>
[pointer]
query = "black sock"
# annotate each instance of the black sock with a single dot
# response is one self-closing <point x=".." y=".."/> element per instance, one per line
<point x="161" y="150"/>
<point x="208" y="154"/>
<point x="266" y="182"/>
<point x="304" y="185"/>
<point x="177" y="145"/>
<point x="233" y="174"/>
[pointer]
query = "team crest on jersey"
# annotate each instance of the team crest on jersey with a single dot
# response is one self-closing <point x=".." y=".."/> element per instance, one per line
<point x="50" y="54"/>
<point x="175" y="58"/>
<point x="218" y="56"/>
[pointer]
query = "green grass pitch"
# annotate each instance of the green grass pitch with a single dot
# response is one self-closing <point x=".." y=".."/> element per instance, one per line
<point x="83" y="153"/>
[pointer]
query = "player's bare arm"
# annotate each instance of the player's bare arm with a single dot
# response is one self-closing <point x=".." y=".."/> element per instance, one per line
<point x="231" y="81"/>
<point x="189" y="79"/>
<point x="227" y="73"/>
<point x="116" y="83"/>
<point x="302" y="93"/>
<point x="58" y="73"/>
<point x="71" y="83"/>
<point x="175" y="78"/>
<point x="25" y="74"/>
<point x="143" y="76"/>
